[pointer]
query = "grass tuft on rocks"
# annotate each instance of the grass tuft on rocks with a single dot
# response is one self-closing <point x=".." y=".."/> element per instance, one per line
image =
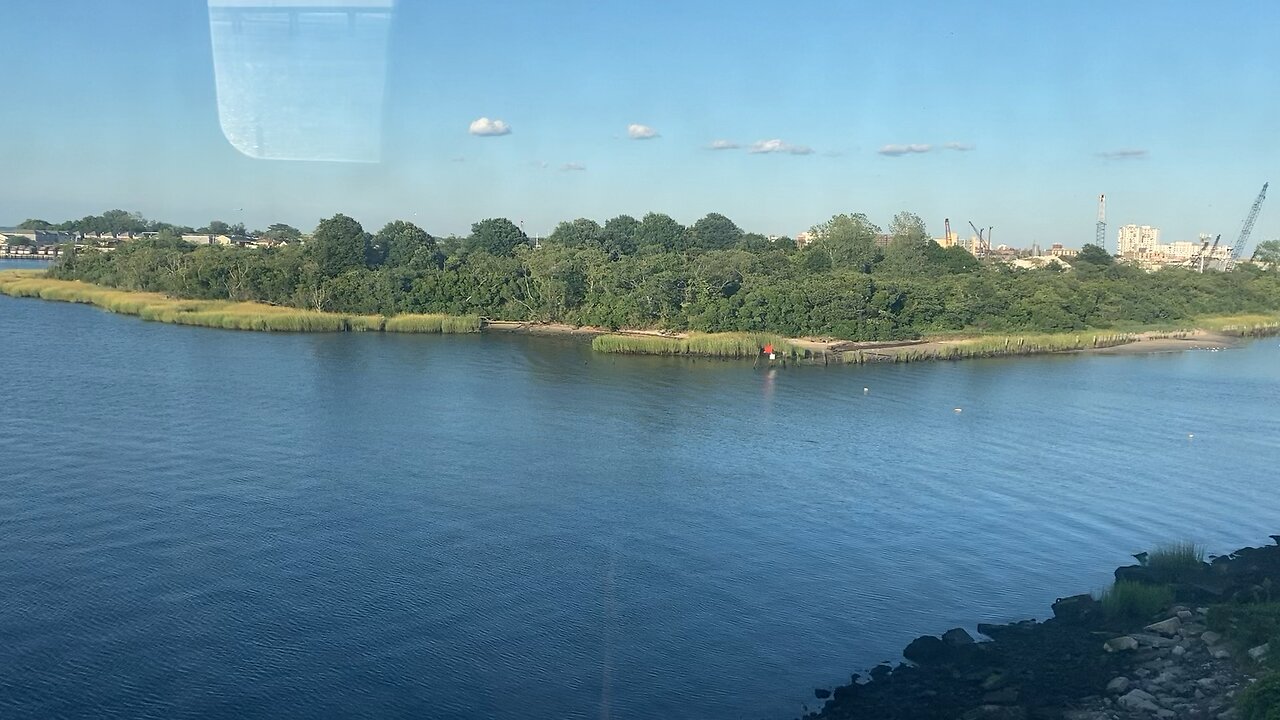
<point x="1176" y="560"/>
<point x="1135" y="601"/>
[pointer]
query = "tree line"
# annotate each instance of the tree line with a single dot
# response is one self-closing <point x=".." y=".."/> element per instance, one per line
<point x="121" y="223"/>
<point x="653" y="271"/>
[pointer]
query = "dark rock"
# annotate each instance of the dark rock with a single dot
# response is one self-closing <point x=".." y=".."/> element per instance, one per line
<point x="926" y="650"/>
<point x="995" y="632"/>
<point x="880" y="671"/>
<point x="1135" y="573"/>
<point x="1003" y="696"/>
<point x="995" y="681"/>
<point x="996" y="712"/>
<point x="1077" y="609"/>
<point x="821" y="693"/>
<point x="957" y="636"/>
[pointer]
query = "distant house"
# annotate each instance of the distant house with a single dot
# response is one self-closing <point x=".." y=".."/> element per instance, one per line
<point x="40" y="238"/>
<point x="236" y="240"/>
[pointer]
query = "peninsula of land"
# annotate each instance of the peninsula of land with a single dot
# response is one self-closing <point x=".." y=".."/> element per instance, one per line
<point x="1211" y="333"/>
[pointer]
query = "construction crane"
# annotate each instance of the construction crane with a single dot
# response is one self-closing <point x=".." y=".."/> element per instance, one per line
<point x="983" y="245"/>
<point x="1100" y="233"/>
<point x="1245" y="231"/>
<point x="1197" y="261"/>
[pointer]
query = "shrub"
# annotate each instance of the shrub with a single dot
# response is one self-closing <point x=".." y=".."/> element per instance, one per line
<point x="1261" y="700"/>
<point x="1127" y="600"/>
<point x="1249" y="624"/>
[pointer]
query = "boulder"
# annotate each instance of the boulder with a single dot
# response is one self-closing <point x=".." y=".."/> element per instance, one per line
<point x="1120" y="644"/>
<point x="1118" y="685"/>
<point x="1155" y="641"/>
<point x="1168" y="627"/>
<point x="1003" y="696"/>
<point x="957" y="636"/>
<point x="821" y="693"/>
<point x="995" y="632"/>
<point x="926" y="650"/>
<point x="1135" y="573"/>
<point x="1210" y="637"/>
<point x="1138" y="699"/>
<point x="1257" y="653"/>
<point x="1077" y="609"/>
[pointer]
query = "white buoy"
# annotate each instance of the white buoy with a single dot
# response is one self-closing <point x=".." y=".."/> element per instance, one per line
<point x="866" y="390"/>
<point x="959" y="410"/>
<point x="1190" y="435"/>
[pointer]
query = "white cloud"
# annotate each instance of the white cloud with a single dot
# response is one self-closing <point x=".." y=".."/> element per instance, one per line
<point x="485" y="127"/>
<point x="635" y="131"/>
<point x="723" y="145"/>
<point x="778" y="146"/>
<point x="1124" y="154"/>
<point x="962" y="147"/>
<point x="572" y="167"/>
<point x="898" y="150"/>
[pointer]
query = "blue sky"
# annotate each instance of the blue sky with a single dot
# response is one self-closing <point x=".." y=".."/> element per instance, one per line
<point x="1167" y="107"/>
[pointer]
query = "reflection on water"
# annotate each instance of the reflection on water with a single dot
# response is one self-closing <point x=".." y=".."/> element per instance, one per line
<point x="302" y="79"/>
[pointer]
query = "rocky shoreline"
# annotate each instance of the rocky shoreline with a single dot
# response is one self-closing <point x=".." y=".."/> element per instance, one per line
<point x="1189" y="660"/>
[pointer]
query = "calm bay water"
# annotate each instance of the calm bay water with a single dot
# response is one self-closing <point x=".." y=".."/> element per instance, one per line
<point x="200" y="523"/>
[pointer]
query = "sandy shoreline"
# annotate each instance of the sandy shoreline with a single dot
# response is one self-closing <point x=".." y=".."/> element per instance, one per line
<point x="1151" y="343"/>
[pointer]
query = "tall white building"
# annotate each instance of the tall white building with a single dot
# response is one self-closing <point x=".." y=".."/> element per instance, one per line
<point x="1138" y="239"/>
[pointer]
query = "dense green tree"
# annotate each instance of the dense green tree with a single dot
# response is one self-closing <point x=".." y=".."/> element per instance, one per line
<point x="338" y="245"/>
<point x="35" y="225"/>
<point x="848" y="240"/>
<point x="715" y="232"/>
<point x="1268" y="252"/>
<point x="620" y="235"/>
<point x="908" y="227"/>
<point x="282" y="233"/>
<point x="578" y="233"/>
<point x="407" y="245"/>
<point x="496" y="236"/>
<point x="662" y="232"/>
<point x="1094" y="255"/>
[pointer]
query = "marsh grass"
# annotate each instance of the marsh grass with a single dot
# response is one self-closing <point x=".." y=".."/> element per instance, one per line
<point x="1002" y="345"/>
<point x="433" y="324"/>
<point x="722" y="345"/>
<point x="223" y="314"/>
<point x="1136" y="601"/>
<point x="1176" y="559"/>
<point x="1242" y="325"/>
